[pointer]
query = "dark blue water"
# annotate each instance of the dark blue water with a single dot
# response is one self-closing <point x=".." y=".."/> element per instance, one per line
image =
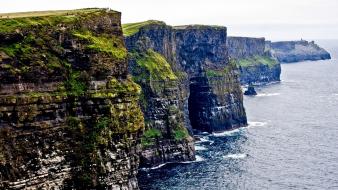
<point x="291" y="142"/>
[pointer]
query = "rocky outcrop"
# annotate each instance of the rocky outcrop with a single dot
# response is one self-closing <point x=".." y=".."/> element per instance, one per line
<point x="187" y="83"/>
<point x="260" y="73"/>
<point x="69" y="114"/>
<point x="296" y="51"/>
<point x="254" y="60"/>
<point x="250" y="91"/>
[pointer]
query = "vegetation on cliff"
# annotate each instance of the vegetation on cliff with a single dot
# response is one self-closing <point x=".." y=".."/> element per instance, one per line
<point x="104" y="43"/>
<point x="30" y="56"/>
<point x="221" y="72"/>
<point x="9" y="22"/>
<point x="155" y="64"/>
<point x="33" y="52"/>
<point x="257" y="60"/>
<point x="150" y="136"/>
<point x="181" y="133"/>
<point x="130" y="29"/>
<point x="66" y="72"/>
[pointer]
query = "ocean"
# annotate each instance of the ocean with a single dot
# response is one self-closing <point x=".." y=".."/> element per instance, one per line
<point x="291" y="141"/>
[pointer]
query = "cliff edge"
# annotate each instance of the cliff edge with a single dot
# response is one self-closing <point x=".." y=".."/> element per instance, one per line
<point x="297" y="51"/>
<point x="187" y="83"/>
<point x="69" y="114"/>
<point x="254" y="60"/>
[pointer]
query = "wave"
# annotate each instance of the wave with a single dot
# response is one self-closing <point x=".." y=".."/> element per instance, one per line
<point x="204" y="133"/>
<point x="200" y="148"/>
<point x="198" y="159"/>
<point x="159" y="166"/>
<point x="204" y="140"/>
<point x="268" y="94"/>
<point x="227" y="133"/>
<point x="235" y="156"/>
<point x="257" y="124"/>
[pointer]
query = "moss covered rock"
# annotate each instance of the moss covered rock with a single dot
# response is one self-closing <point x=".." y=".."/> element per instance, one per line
<point x="69" y="112"/>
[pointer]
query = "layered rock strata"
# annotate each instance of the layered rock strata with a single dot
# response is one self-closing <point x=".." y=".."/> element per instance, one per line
<point x="187" y="83"/>
<point x="69" y="114"/>
<point x="254" y="60"/>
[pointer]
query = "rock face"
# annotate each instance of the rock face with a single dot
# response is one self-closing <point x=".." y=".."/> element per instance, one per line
<point x="254" y="60"/>
<point x="250" y="91"/>
<point x="244" y="47"/>
<point x="296" y="51"/>
<point x="187" y="83"/>
<point x="69" y="114"/>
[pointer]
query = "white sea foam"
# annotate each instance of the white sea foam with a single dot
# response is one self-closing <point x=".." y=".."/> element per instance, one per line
<point x="235" y="156"/>
<point x="199" y="158"/>
<point x="226" y="133"/>
<point x="159" y="166"/>
<point x="200" y="148"/>
<point x="204" y="140"/>
<point x="268" y="94"/>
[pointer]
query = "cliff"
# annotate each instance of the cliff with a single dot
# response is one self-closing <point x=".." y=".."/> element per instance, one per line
<point x="69" y="114"/>
<point x="254" y="60"/>
<point x="187" y="83"/>
<point x="297" y="51"/>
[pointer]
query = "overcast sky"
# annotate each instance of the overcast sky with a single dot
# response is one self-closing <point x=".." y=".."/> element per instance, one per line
<point x="273" y="19"/>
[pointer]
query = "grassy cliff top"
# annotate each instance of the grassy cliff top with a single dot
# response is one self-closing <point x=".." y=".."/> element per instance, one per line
<point x="9" y="22"/>
<point x="130" y="29"/>
<point x="199" y="26"/>
<point x="48" y="13"/>
<point x="257" y="60"/>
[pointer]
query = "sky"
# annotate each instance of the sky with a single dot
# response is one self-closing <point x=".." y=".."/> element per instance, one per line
<point x="273" y="19"/>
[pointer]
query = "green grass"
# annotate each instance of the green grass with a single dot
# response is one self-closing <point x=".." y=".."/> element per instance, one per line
<point x="75" y="86"/>
<point x="9" y="22"/>
<point x="181" y="133"/>
<point x="48" y="13"/>
<point x="126" y="86"/>
<point x="130" y="29"/>
<point x="257" y="60"/>
<point x="117" y="87"/>
<point x="111" y="45"/>
<point x="10" y="25"/>
<point x="157" y="66"/>
<point x="32" y="53"/>
<point x="150" y="136"/>
<point x="214" y="73"/>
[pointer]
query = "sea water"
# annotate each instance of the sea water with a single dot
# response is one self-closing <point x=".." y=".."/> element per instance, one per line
<point x="291" y="141"/>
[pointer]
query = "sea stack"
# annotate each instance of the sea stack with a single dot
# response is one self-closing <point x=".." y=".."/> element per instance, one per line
<point x="250" y="91"/>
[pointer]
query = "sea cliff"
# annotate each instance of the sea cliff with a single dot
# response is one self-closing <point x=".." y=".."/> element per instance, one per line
<point x="254" y="60"/>
<point x="188" y="83"/>
<point x="69" y="114"/>
<point x="297" y="51"/>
